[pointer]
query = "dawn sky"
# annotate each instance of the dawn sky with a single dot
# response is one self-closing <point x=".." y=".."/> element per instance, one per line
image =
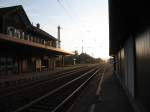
<point x="85" y="20"/>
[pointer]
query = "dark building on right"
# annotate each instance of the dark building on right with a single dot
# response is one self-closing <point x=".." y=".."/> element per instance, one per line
<point x="129" y="28"/>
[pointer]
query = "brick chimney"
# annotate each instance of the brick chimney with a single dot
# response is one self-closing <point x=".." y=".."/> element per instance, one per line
<point x="38" y="25"/>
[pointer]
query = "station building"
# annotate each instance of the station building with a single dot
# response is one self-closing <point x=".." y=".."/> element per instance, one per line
<point x="24" y="47"/>
<point x="129" y="23"/>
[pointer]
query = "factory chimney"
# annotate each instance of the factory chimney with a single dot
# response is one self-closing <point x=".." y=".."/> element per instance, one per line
<point x="59" y="37"/>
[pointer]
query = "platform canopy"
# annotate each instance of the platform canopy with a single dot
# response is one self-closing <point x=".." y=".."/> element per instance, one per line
<point x="12" y="42"/>
<point x="126" y="18"/>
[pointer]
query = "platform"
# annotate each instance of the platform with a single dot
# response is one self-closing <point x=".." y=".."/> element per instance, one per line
<point x="103" y="95"/>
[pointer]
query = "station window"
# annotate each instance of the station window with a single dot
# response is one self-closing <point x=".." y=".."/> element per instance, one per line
<point x="18" y="35"/>
<point x="43" y="41"/>
<point x="38" y="40"/>
<point x="26" y="37"/>
<point x="31" y="38"/>
<point x="46" y="42"/>
<point x="22" y="35"/>
<point x="2" y="62"/>
<point x="34" y="39"/>
<point x="10" y="30"/>
<point x="14" y="33"/>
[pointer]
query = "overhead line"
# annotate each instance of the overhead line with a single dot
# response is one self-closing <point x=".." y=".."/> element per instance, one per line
<point x="82" y="27"/>
<point x="66" y="11"/>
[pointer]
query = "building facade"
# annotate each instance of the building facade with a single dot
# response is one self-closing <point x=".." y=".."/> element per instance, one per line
<point x="24" y="47"/>
<point x="129" y="23"/>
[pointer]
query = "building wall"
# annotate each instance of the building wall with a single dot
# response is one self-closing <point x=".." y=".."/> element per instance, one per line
<point x="1" y="24"/>
<point x="129" y="65"/>
<point x="6" y="65"/>
<point x="125" y="65"/>
<point x="122" y="62"/>
<point x="133" y="67"/>
<point x="12" y="24"/>
<point x="22" y="57"/>
<point x="131" y="17"/>
<point x="142" y="45"/>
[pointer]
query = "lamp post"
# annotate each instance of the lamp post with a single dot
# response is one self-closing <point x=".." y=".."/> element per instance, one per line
<point x="74" y="61"/>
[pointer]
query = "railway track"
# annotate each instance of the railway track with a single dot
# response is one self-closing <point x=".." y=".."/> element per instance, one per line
<point x="33" y="80"/>
<point x="22" y="95"/>
<point x="60" y="98"/>
<point x="44" y="79"/>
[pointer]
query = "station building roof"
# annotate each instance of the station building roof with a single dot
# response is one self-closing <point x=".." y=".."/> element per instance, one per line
<point x="6" y="10"/>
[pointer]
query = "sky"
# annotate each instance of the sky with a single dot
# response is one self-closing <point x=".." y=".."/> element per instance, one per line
<point x="83" y="22"/>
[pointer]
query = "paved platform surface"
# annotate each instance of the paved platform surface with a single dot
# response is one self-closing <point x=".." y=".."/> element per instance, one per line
<point x="103" y="94"/>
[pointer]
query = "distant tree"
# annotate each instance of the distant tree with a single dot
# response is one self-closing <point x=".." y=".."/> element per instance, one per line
<point x="83" y="58"/>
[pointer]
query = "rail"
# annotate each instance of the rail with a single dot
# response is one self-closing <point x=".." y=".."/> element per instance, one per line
<point x="67" y="90"/>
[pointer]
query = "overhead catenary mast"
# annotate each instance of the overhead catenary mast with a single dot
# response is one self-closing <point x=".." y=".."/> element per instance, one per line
<point x="82" y="46"/>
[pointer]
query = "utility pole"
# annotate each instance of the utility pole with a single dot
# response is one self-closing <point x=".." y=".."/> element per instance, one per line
<point x="59" y="36"/>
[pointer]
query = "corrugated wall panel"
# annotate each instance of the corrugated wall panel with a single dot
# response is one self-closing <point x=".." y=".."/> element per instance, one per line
<point x="122" y="66"/>
<point x="142" y="46"/>
<point x="129" y="65"/>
